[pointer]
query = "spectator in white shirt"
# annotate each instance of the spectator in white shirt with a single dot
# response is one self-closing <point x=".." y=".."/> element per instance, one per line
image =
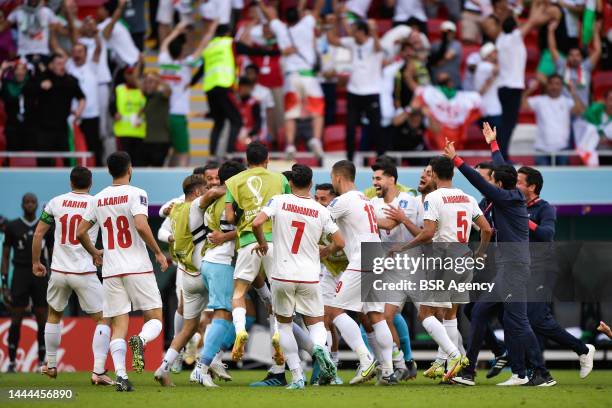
<point x="553" y="113"/>
<point x="303" y="93"/>
<point x="34" y="23"/>
<point x="85" y="71"/>
<point x="474" y="11"/>
<point x="117" y="37"/>
<point x="486" y="82"/>
<point x="512" y="56"/>
<point x="90" y="36"/>
<point x="263" y="95"/>
<point x="408" y="12"/>
<point x="365" y="83"/>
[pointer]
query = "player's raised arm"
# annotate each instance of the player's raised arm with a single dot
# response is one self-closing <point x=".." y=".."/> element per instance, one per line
<point x="490" y="135"/>
<point x="42" y="228"/>
<point x="144" y="230"/>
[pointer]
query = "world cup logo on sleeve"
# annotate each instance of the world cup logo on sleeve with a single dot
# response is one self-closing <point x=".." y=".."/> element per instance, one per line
<point x="254" y="184"/>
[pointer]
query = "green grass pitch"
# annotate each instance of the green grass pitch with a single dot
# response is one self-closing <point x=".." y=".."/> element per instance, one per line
<point x="571" y="391"/>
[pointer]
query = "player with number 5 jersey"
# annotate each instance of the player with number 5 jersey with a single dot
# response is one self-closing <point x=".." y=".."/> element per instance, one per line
<point x="129" y="283"/>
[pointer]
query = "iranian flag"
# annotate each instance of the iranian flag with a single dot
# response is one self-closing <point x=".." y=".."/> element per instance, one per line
<point x="452" y="114"/>
<point x="588" y="21"/>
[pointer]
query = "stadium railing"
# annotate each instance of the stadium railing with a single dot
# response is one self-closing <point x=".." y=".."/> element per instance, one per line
<point x="80" y="156"/>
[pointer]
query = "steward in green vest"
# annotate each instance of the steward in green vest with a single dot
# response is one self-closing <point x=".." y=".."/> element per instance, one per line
<point x="219" y="81"/>
<point x="247" y="193"/>
<point x="128" y="111"/>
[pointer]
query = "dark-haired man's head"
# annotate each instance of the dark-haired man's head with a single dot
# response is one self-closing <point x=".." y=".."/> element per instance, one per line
<point x="176" y="46"/>
<point x="229" y="169"/>
<point x="292" y="15"/>
<point x="384" y="177"/>
<point x="222" y="30"/>
<point x="245" y="87"/>
<point x="80" y="178"/>
<point x="57" y="64"/>
<point x="442" y="169"/>
<point x="257" y="154"/>
<point x="504" y="176"/>
<point x="343" y="173"/>
<point x="529" y="181"/>
<point x="426" y="184"/>
<point x="554" y="85"/>
<point x="444" y="79"/>
<point x="509" y="25"/>
<point x="209" y="173"/>
<point x="252" y="72"/>
<point x="193" y="186"/>
<point x="361" y="31"/>
<point x="119" y="164"/>
<point x="485" y="169"/>
<point x="29" y="204"/>
<point x="301" y="177"/>
<point x="574" y="57"/>
<point x="324" y="194"/>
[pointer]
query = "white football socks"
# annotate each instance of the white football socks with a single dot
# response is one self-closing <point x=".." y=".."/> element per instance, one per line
<point x="303" y="338"/>
<point x="169" y="358"/>
<point x="385" y="345"/>
<point x="329" y="341"/>
<point x="373" y="343"/>
<point x="438" y="333"/>
<point x="118" y="348"/>
<point x="349" y="330"/>
<point x="318" y="334"/>
<point x="290" y="348"/>
<point x="178" y="323"/>
<point x="100" y="345"/>
<point x="53" y="337"/>
<point x="239" y="319"/>
<point x="150" y="330"/>
<point x="451" y="329"/>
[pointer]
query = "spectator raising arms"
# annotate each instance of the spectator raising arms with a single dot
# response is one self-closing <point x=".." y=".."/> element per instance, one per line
<point x="296" y="39"/>
<point x="364" y="84"/>
<point x="553" y="116"/>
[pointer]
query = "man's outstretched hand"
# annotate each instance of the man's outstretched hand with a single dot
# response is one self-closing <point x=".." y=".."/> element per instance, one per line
<point x="449" y="149"/>
<point x="489" y="134"/>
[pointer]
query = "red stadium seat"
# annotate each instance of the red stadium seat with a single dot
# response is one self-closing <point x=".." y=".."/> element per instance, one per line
<point x="341" y="111"/>
<point x="602" y="81"/>
<point x="533" y="57"/>
<point x="383" y="26"/>
<point x="22" y="162"/>
<point x="334" y="138"/>
<point x="475" y="141"/>
<point x="433" y="29"/>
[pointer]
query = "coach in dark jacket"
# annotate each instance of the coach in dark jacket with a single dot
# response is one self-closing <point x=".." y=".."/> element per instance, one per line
<point x="512" y="259"/>
<point x="542" y="219"/>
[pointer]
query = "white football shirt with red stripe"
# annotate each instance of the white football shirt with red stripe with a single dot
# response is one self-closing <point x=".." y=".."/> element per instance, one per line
<point x="67" y="211"/>
<point x="114" y="209"/>
<point x="298" y="223"/>
<point x="454" y="211"/>
<point x="356" y="218"/>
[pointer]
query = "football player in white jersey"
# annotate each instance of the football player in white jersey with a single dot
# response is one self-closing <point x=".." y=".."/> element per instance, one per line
<point x="210" y="173"/>
<point x="298" y="224"/>
<point x="388" y="198"/>
<point x="188" y="241"/>
<point x="449" y="214"/>
<point x="331" y="269"/>
<point x="354" y="214"/>
<point x="121" y="210"/>
<point x="72" y="269"/>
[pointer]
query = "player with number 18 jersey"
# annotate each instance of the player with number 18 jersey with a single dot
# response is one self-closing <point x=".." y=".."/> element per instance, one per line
<point x="125" y="253"/>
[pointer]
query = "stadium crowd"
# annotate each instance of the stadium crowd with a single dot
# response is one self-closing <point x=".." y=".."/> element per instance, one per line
<point x="318" y="75"/>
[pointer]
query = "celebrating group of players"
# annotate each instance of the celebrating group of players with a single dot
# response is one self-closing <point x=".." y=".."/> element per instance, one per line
<point x="237" y="228"/>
